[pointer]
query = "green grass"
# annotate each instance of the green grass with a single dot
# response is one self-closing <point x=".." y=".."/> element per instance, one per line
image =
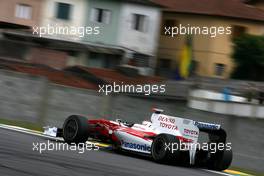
<point x="23" y="124"/>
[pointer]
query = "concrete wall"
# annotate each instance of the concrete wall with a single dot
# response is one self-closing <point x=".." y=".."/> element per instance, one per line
<point x="35" y="99"/>
<point x="21" y="96"/>
<point x="62" y="102"/>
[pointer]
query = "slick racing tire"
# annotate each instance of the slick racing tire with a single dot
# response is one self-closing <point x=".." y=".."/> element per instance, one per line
<point x="161" y="149"/>
<point x="220" y="160"/>
<point x="75" y="129"/>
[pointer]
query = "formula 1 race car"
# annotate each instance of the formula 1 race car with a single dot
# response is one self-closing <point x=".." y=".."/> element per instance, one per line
<point x="166" y="139"/>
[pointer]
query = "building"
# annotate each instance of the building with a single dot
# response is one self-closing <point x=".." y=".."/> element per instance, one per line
<point x="211" y="55"/>
<point x="59" y="17"/>
<point x="19" y="13"/>
<point x="116" y="32"/>
<point x="57" y="49"/>
<point x="129" y="24"/>
<point x="257" y="3"/>
<point x="66" y="14"/>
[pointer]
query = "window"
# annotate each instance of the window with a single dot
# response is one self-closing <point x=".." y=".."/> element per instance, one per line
<point x="96" y="60"/>
<point x="168" y="23"/>
<point x="63" y="11"/>
<point x="23" y="11"/>
<point x="139" y="22"/>
<point x="101" y="15"/>
<point x="238" y="31"/>
<point x="219" y="69"/>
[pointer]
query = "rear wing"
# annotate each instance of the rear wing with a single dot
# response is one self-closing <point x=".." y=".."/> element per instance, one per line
<point x="215" y="132"/>
<point x="207" y="126"/>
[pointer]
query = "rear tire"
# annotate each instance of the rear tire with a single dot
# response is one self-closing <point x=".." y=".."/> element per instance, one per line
<point x="75" y="129"/>
<point x="161" y="154"/>
<point x="221" y="160"/>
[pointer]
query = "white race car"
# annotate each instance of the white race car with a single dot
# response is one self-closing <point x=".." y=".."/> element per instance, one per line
<point x="166" y="139"/>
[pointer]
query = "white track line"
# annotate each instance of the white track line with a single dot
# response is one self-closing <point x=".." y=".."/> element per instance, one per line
<point x="37" y="133"/>
<point x="218" y="172"/>
<point x="27" y="131"/>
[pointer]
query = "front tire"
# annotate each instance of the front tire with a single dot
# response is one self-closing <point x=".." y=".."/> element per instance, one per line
<point x="75" y="129"/>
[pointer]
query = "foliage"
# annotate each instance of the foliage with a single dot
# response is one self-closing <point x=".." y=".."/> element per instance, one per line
<point x="249" y="58"/>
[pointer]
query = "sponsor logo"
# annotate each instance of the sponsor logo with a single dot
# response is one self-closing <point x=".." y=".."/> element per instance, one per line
<point x="167" y="122"/>
<point x="142" y="147"/>
<point x="191" y="132"/>
<point x="168" y="126"/>
<point x="166" y="119"/>
<point x="210" y="126"/>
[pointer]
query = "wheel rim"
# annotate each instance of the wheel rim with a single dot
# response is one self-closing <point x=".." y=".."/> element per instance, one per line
<point x="71" y="129"/>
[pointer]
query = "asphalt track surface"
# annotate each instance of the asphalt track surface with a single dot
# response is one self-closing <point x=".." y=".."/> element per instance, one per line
<point x="17" y="158"/>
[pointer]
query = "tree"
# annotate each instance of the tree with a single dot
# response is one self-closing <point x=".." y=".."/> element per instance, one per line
<point x="249" y="58"/>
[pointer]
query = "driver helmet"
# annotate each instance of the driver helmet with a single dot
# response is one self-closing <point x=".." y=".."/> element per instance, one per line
<point x="147" y="123"/>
